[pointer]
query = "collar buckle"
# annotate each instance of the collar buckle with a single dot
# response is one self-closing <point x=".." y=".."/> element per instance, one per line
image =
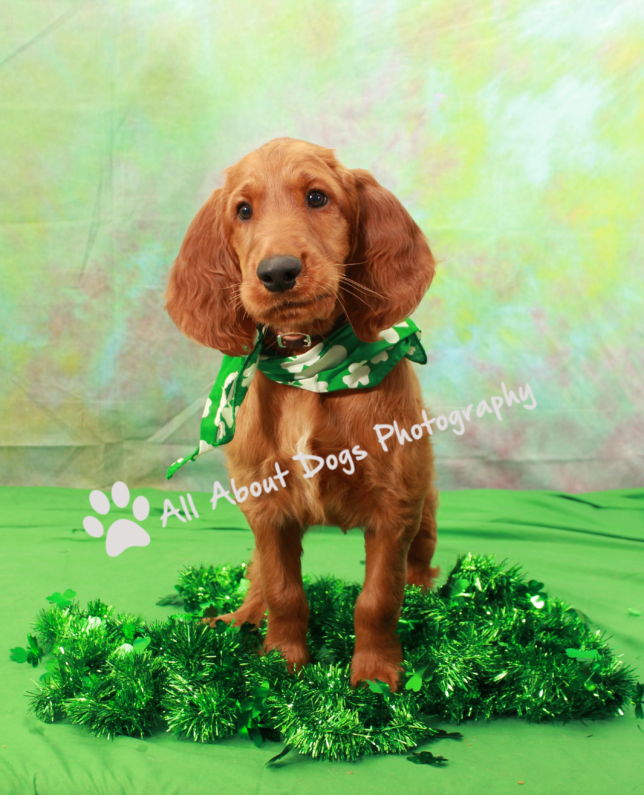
<point x="304" y="342"/>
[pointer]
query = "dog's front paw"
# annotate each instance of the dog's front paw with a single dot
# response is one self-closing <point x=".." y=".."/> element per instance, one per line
<point x="371" y="666"/>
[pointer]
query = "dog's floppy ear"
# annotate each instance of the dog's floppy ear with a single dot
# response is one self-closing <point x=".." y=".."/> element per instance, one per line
<point x="201" y="297"/>
<point x="395" y="263"/>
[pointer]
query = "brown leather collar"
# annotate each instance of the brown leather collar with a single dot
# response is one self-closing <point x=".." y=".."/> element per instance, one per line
<point x="288" y="341"/>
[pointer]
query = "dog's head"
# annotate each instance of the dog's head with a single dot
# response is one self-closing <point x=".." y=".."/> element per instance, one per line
<point x="292" y="240"/>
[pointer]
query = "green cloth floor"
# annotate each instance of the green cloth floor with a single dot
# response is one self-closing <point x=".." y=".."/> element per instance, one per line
<point x="588" y="550"/>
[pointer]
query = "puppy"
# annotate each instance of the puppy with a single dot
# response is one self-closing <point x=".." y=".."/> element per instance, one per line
<point x="299" y="246"/>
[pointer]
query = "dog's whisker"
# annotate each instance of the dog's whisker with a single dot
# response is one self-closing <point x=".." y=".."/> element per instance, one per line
<point x="330" y="284"/>
<point x="355" y="295"/>
<point x="362" y="287"/>
<point x="346" y="313"/>
<point x="361" y="298"/>
<point x="356" y="287"/>
<point x="352" y="288"/>
<point x="358" y="284"/>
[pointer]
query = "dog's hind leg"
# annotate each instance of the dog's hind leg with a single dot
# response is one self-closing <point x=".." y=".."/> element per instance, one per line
<point x="253" y="609"/>
<point x="421" y="551"/>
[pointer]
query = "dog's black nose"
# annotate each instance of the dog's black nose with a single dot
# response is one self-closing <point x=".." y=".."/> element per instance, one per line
<point x="278" y="274"/>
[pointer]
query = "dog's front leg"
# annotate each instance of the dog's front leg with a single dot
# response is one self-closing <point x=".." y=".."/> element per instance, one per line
<point x="279" y="545"/>
<point x="378" y="652"/>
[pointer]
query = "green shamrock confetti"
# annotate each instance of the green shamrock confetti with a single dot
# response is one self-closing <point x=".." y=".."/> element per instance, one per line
<point x="19" y="655"/>
<point x="33" y="654"/>
<point x="583" y="654"/>
<point x="140" y="645"/>
<point x="426" y="758"/>
<point x="379" y="687"/>
<point x="415" y="681"/>
<point x="62" y="600"/>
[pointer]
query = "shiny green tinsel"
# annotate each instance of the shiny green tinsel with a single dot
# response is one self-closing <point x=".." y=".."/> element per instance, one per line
<point x="486" y="644"/>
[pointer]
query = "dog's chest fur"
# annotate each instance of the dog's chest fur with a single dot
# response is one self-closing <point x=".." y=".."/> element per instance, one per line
<point x="277" y="422"/>
<point x="306" y="423"/>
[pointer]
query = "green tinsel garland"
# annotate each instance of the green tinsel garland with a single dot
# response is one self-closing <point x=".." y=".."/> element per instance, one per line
<point x="486" y="644"/>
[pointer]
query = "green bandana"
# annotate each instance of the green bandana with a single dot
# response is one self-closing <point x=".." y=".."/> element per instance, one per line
<point x="341" y="361"/>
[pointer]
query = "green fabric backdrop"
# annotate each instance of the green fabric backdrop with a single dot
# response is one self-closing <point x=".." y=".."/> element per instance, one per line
<point x="512" y="131"/>
<point x="588" y="550"/>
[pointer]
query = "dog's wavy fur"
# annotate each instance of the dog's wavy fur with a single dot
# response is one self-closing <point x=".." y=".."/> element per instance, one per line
<point x="362" y="254"/>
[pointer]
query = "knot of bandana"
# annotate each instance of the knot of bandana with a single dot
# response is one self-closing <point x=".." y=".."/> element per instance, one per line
<point x="341" y="361"/>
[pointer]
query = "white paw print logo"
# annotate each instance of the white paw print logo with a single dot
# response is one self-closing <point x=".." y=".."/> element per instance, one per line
<point x="122" y="533"/>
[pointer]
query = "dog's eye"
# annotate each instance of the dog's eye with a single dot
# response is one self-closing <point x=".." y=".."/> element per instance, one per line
<point x="316" y="198"/>
<point x="244" y="211"/>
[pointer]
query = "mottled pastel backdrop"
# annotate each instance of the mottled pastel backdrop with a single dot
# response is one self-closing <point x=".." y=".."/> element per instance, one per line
<point x="513" y="131"/>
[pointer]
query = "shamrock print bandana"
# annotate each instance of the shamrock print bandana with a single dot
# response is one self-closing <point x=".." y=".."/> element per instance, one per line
<point x="341" y="361"/>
